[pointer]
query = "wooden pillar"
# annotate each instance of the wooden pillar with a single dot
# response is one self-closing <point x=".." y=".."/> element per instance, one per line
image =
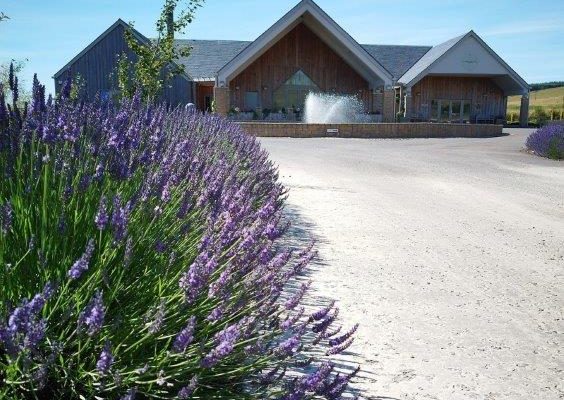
<point x="221" y="97"/>
<point x="524" y="113"/>
<point x="389" y="105"/>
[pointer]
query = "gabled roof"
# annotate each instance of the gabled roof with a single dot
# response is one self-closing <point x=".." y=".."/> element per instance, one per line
<point x="396" y="59"/>
<point x="428" y="59"/>
<point x="307" y="10"/>
<point x="433" y="56"/>
<point x="119" y="22"/>
<point x="140" y="37"/>
<point x="207" y="57"/>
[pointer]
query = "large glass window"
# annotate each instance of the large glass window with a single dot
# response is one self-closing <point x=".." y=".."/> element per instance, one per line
<point x="450" y="110"/>
<point x="293" y="92"/>
<point x="466" y="111"/>
<point x="445" y="110"/>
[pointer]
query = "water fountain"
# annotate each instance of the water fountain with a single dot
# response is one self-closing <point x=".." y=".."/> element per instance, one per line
<point x="323" y="108"/>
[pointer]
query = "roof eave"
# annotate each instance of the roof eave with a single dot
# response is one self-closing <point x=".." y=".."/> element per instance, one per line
<point x="284" y="23"/>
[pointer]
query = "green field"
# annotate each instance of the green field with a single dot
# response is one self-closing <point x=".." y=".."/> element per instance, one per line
<point x="551" y="100"/>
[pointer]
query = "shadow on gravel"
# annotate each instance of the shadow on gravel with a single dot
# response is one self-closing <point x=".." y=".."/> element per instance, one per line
<point x="301" y="234"/>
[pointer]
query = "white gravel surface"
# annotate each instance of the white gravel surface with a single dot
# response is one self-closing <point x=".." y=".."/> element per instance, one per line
<point x="449" y="252"/>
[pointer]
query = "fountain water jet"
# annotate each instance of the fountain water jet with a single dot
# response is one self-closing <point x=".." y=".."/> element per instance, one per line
<point x="322" y="108"/>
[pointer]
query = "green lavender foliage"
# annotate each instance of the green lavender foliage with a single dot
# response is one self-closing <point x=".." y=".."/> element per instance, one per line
<point x="141" y="255"/>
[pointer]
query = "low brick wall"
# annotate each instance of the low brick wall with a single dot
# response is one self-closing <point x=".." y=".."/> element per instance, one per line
<point x="374" y="131"/>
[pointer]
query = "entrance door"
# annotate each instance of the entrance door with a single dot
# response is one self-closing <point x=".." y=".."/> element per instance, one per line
<point x="208" y="103"/>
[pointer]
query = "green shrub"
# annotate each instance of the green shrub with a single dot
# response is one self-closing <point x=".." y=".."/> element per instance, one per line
<point x="141" y="254"/>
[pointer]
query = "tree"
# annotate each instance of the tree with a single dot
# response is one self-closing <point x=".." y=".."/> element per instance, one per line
<point x="8" y="73"/>
<point x="3" y="16"/>
<point x="155" y="62"/>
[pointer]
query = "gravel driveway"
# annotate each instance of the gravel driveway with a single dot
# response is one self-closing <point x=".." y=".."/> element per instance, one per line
<point x="450" y="252"/>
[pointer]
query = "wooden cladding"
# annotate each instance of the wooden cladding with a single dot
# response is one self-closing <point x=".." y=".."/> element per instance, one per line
<point x="485" y="97"/>
<point x="302" y="50"/>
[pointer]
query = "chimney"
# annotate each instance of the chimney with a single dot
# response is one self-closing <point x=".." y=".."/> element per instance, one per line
<point x="170" y="23"/>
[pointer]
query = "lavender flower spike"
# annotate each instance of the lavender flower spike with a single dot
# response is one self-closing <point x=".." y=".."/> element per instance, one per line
<point x="185" y="337"/>
<point x="102" y="218"/>
<point x="93" y="315"/>
<point x="6" y="217"/>
<point x="105" y="361"/>
<point x="81" y="265"/>
<point x="187" y="391"/>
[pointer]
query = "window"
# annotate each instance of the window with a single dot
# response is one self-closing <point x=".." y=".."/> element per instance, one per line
<point x="251" y="101"/>
<point x="466" y="111"/>
<point x="450" y="110"/>
<point x="293" y="92"/>
<point x="435" y="110"/>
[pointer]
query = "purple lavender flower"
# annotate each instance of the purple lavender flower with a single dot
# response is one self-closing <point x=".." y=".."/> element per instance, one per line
<point x="338" y="349"/>
<point x="187" y="391"/>
<point x="130" y="395"/>
<point x="102" y="218"/>
<point x="39" y="300"/>
<point x="314" y="381"/>
<point x="216" y="314"/>
<point x="120" y="219"/>
<point x="6" y="217"/>
<point x="105" y="361"/>
<point x="158" y="320"/>
<point x="343" y="338"/>
<point x="322" y="313"/>
<point x="35" y="333"/>
<point x="93" y="315"/>
<point x="288" y="347"/>
<point x="291" y="321"/>
<point x="81" y="265"/>
<point x="185" y="337"/>
<point x="25" y="328"/>
<point x="292" y="302"/>
<point x="548" y="141"/>
<point x="226" y="340"/>
<point x="326" y="323"/>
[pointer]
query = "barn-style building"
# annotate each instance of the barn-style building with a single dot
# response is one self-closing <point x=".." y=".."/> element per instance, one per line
<point x="461" y="80"/>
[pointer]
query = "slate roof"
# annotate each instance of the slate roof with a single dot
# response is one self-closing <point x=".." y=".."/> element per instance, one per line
<point x="209" y="56"/>
<point x="429" y="58"/>
<point x="396" y="59"/>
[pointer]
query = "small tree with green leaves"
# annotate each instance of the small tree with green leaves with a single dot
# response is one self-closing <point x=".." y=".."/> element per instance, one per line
<point x="155" y="63"/>
<point x="9" y="73"/>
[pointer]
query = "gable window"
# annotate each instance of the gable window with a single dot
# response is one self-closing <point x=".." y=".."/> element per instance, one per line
<point x="293" y="92"/>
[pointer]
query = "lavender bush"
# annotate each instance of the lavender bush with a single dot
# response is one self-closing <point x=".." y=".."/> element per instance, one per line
<point x="548" y="141"/>
<point x="141" y="257"/>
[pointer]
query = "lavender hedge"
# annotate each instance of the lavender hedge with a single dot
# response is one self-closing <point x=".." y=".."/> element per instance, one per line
<point x="548" y="141"/>
<point x="141" y="257"/>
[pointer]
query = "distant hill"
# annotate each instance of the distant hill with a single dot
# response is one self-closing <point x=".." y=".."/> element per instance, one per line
<point x="546" y="85"/>
<point x="549" y="99"/>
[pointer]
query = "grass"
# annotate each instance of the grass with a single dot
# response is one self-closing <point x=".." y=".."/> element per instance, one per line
<point x="548" y="99"/>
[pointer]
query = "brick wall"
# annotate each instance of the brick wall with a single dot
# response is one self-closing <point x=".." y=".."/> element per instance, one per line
<point x="385" y="130"/>
<point x="389" y="98"/>
<point x="221" y="97"/>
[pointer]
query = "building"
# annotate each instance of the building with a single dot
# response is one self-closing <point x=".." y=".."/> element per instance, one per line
<point x="460" y="80"/>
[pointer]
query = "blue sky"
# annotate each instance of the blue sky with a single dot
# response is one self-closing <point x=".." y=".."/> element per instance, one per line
<point x="529" y="35"/>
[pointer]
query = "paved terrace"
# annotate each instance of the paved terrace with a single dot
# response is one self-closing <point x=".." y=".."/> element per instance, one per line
<point x="450" y="252"/>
